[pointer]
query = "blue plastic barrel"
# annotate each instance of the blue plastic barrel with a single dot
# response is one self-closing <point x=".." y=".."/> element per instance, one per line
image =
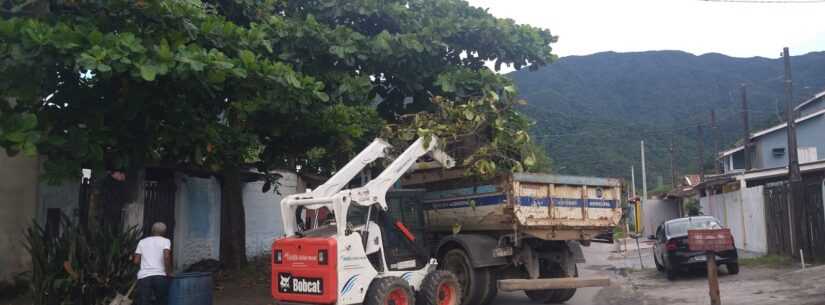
<point x="193" y="288"/>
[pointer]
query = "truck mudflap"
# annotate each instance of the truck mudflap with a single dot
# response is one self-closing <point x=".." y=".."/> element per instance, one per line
<point x="556" y="283"/>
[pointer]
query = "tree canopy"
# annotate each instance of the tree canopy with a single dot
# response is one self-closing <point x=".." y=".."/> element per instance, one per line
<point x="220" y="84"/>
<point x="97" y="83"/>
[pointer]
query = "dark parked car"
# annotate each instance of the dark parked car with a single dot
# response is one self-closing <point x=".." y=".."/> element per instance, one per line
<point x="671" y="253"/>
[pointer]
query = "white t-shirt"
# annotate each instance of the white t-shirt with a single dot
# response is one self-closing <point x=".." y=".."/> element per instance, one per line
<point x="151" y="256"/>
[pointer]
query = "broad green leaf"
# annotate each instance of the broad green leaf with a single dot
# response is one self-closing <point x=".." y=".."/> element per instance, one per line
<point x="28" y="121"/>
<point x="148" y="72"/>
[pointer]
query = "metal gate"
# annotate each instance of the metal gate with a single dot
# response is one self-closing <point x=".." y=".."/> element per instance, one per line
<point x="798" y="227"/>
<point x="159" y="206"/>
<point x="777" y="219"/>
<point x="812" y="225"/>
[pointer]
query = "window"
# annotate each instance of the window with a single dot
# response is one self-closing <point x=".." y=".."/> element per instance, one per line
<point x="807" y="154"/>
<point x="680" y="228"/>
<point x="778" y="152"/>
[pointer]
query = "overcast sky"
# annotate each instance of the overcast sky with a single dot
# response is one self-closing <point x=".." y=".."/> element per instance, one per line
<point x="696" y="26"/>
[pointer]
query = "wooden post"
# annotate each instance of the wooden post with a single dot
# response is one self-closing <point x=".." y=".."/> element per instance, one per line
<point x="713" y="279"/>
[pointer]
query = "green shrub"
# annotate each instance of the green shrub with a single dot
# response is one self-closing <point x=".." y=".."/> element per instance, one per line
<point x="80" y="266"/>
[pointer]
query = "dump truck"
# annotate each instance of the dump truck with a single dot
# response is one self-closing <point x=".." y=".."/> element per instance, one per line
<point x="513" y="232"/>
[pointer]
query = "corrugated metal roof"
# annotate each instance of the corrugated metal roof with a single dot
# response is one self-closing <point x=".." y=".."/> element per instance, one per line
<point x="811" y="100"/>
<point x="569" y="180"/>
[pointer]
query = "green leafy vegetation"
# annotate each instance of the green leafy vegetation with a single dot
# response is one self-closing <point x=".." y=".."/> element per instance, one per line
<point x="592" y="111"/>
<point x="80" y="266"/>
<point x="222" y="85"/>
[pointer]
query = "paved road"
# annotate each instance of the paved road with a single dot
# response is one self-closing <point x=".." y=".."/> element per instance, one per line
<point x="596" y="256"/>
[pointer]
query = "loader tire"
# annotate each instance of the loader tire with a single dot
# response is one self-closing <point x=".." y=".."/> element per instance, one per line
<point x="389" y="291"/>
<point x="475" y="282"/>
<point x="552" y="296"/>
<point x="440" y="287"/>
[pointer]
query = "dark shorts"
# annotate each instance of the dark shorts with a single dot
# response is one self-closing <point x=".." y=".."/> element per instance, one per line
<point x="153" y="290"/>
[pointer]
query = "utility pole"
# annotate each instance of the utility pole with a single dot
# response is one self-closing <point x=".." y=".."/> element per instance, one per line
<point x="715" y="128"/>
<point x="633" y="182"/>
<point x="793" y="157"/>
<point x="672" y="168"/>
<point x="701" y="153"/>
<point x="644" y="174"/>
<point x="794" y="177"/>
<point x="746" y="122"/>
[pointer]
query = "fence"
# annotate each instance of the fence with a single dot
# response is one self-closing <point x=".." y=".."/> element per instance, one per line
<point x="792" y="227"/>
<point x="742" y="211"/>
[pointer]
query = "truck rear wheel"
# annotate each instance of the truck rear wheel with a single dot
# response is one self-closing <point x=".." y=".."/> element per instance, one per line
<point x="389" y="291"/>
<point x="550" y="296"/>
<point x="440" y="287"/>
<point x="475" y="282"/>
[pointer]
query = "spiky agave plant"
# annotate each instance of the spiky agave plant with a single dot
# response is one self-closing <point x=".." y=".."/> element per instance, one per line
<point x="80" y="266"/>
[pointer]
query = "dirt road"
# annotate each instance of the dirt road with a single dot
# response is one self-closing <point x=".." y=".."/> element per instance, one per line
<point x="629" y="285"/>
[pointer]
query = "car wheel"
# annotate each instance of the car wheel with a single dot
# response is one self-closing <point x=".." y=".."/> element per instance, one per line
<point x="670" y="273"/>
<point x="733" y="268"/>
<point x="659" y="266"/>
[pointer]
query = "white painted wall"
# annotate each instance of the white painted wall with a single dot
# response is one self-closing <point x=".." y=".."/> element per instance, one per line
<point x="263" y="213"/>
<point x="657" y="211"/>
<point x="744" y="213"/>
<point x="197" y="220"/>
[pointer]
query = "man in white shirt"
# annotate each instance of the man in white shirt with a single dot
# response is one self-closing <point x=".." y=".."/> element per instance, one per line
<point x="154" y="255"/>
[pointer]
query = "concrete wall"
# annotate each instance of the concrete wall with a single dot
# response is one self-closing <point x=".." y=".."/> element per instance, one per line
<point x="809" y="134"/>
<point x="197" y="220"/>
<point x="744" y="213"/>
<point x="263" y="213"/>
<point x="18" y="203"/>
<point x="657" y="211"/>
<point x="63" y="196"/>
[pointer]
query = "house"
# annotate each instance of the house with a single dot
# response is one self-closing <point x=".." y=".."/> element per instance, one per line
<point x="768" y="147"/>
<point x="754" y="202"/>
<point x="188" y="202"/>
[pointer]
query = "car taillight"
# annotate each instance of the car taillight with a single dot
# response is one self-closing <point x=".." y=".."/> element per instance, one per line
<point x="279" y="256"/>
<point x="671" y="245"/>
<point x="323" y="257"/>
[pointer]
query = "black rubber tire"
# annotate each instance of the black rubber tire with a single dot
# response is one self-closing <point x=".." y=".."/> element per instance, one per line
<point x="430" y="293"/>
<point x="475" y="282"/>
<point x="492" y="289"/>
<point x="552" y="296"/>
<point x="659" y="266"/>
<point x="733" y="268"/>
<point x="381" y="288"/>
<point x="670" y="273"/>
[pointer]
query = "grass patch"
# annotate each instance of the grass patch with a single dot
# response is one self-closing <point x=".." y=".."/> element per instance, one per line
<point x="618" y="233"/>
<point x="771" y="261"/>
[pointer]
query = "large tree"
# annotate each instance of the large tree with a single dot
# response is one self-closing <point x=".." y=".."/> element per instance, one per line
<point x="221" y="84"/>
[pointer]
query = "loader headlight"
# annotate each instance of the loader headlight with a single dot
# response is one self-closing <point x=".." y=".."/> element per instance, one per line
<point x="279" y="256"/>
<point x="323" y="257"/>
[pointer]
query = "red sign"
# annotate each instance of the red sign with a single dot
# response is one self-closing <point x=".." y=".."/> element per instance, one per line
<point x="714" y="240"/>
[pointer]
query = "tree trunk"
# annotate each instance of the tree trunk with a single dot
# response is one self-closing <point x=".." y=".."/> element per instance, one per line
<point x="233" y="219"/>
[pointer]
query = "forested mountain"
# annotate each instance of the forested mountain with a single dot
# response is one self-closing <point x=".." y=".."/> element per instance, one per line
<point x="592" y="111"/>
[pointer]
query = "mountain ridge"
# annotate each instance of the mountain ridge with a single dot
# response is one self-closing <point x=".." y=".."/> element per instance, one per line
<point x="591" y="111"/>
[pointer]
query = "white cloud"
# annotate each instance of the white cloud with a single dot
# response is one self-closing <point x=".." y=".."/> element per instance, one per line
<point x="735" y="29"/>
